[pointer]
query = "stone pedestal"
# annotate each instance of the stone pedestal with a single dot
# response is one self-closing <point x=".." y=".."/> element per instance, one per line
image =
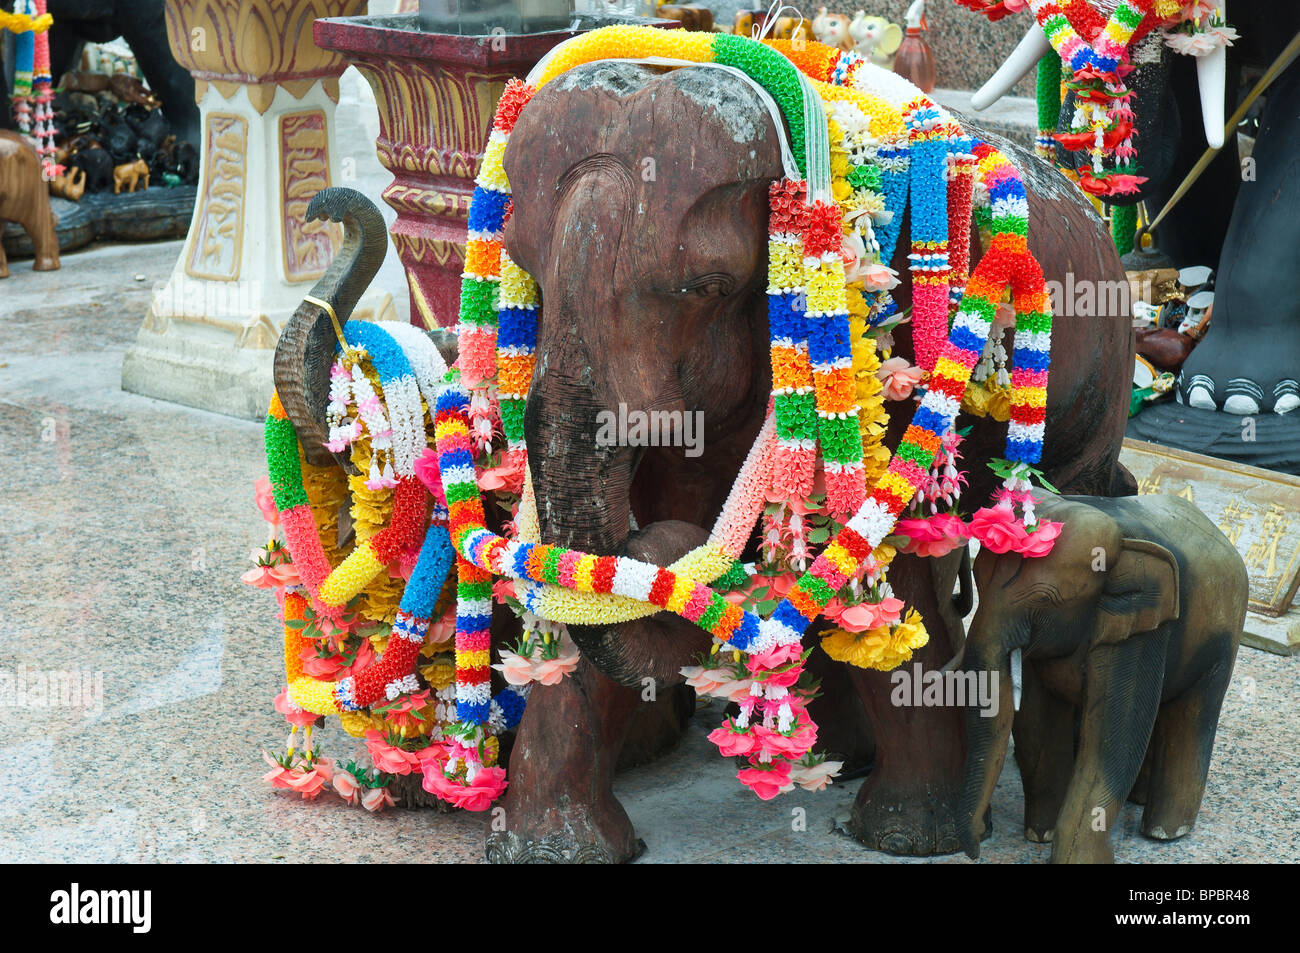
<point x="266" y="95"/>
<point x="436" y="94"/>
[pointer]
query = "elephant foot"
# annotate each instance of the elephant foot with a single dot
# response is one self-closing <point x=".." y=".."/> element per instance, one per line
<point x="45" y="264"/>
<point x="1039" y="835"/>
<point x="564" y="835"/>
<point x="914" y="826"/>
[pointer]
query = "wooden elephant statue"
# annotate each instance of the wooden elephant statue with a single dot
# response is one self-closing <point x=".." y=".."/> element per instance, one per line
<point x="129" y="174"/>
<point x="25" y="199"/>
<point x="1129" y="628"/>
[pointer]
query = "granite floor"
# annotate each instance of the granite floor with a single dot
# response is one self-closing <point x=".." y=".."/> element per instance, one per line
<point x="126" y="524"/>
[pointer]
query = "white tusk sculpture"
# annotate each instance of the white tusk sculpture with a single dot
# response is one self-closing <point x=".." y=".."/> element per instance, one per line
<point x="1211" y="70"/>
<point x="1023" y="58"/>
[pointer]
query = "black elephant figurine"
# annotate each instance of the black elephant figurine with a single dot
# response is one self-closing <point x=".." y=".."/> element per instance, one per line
<point x="1129" y="627"/>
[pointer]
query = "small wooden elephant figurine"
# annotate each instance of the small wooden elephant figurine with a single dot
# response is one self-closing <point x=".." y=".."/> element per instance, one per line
<point x="1127" y="628"/>
<point x="25" y="199"/>
<point x="69" y="184"/>
<point x="130" y="174"/>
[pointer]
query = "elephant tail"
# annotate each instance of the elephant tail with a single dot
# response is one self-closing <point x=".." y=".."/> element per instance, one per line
<point x="306" y="348"/>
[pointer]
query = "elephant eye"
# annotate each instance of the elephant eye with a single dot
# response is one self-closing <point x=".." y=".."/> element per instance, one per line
<point x="715" y="285"/>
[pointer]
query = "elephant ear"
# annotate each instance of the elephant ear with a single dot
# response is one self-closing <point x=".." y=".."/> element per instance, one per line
<point x="891" y="39"/>
<point x="1141" y="591"/>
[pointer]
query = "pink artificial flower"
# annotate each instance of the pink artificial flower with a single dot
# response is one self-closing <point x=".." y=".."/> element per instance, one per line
<point x="442" y="630"/>
<point x="774" y="744"/>
<point x="292" y="713"/>
<point x="278" y="776"/>
<point x="705" y="681"/>
<point x="877" y="277"/>
<point x="388" y="758"/>
<point x="766" y="781"/>
<point x="401" y="712"/>
<point x="998" y="529"/>
<point x="427" y="472"/>
<point x="732" y="742"/>
<point x="376" y="799"/>
<point x="488" y="785"/>
<point x="815" y="777"/>
<point x="520" y="670"/>
<point x="774" y="657"/>
<point x="1015" y="6"/>
<point x="504" y="589"/>
<point x="345" y="786"/>
<point x="266" y="501"/>
<point x="508" y="477"/>
<point x="867" y="615"/>
<point x="899" y="378"/>
<point x="934" y="536"/>
<point x="1003" y="318"/>
<point x="1042" y="539"/>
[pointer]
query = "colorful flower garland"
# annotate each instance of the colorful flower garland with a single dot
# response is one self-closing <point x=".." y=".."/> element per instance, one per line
<point x="805" y="233"/>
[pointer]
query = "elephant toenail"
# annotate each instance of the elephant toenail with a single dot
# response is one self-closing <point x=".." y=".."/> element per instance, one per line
<point x="1238" y="404"/>
<point x="1198" y="396"/>
<point x="1287" y="394"/>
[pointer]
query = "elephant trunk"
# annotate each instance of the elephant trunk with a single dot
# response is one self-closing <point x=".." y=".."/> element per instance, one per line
<point x="986" y="740"/>
<point x="305" y="352"/>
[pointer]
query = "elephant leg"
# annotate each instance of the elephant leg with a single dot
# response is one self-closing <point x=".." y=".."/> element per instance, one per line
<point x="1181" y="746"/>
<point x="560" y="806"/>
<point x="909" y="804"/>
<point x="1122" y="686"/>
<point x="4" y="262"/>
<point x="1044" y="736"/>
<point x="45" y="242"/>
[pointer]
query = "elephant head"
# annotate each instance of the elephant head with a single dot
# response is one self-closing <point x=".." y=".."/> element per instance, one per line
<point x="1156" y="123"/>
<point x="640" y="207"/>
<point x="306" y="348"/>
<point x="1096" y="588"/>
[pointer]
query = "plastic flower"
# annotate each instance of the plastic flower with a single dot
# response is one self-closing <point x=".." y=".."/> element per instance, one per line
<point x="733" y="742"/>
<point x="768" y="780"/>
<point x="346" y="787"/>
<point x="774" y="744"/>
<point x="865" y="615"/>
<point x="266" y="501"/>
<point x="478" y="795"/>
<point x="998" y="529"/>
<point x="861" y="649"/>
<point x="815" y="777"/>
<point x="292" y="713"/>
<point x="376" y="799"/>
<point x="520" y="669"/>
<point x="426" y="471"/>
<point x="899" y="378"/>
<point x="1042" y="539"/>
<point x="402" y="712"/>
<point x="388" y="758"/>
<point x="936" y="536"/>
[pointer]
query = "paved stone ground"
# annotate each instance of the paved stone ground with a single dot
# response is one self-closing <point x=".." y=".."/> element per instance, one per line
<point x="126" y="523"/>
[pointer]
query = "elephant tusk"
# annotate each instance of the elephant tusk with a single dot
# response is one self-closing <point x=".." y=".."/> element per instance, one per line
<point x="1017" y="678"/>
<point x="1032" y="48"/>
<point x="1211" y="70"/>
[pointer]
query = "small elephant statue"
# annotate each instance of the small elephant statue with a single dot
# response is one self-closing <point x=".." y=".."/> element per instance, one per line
<point x="130" y="174"/>
<point x="25" y="199"/>
<point x="876" y="38"/>
<point x="69" y="184"/>
<point x="832" y="29"/>
<point x="1127" y="629"/>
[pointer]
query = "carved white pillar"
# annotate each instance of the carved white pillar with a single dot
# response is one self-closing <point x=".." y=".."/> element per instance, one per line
<point x="266" y="97"/>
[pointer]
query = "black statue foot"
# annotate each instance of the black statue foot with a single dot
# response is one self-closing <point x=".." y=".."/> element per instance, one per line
<point x="1267" y="440"/>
